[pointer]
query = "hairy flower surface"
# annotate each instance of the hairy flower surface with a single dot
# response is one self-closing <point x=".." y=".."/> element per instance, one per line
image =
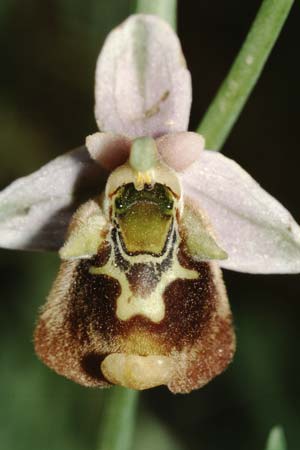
<point x="144" y="218"/>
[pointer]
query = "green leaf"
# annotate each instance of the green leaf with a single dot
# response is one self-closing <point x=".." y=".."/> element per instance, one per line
<point x="276" y="439"/>
<point x="233" y="93"/>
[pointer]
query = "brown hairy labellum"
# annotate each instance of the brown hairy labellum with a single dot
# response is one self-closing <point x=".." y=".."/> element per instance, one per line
<point x="138" y="300"/>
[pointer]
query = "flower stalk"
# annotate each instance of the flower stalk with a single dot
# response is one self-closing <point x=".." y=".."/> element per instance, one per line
<point x="233" y="93"/>
<point x="166" y="9"/>
<point x="118" y="419"/>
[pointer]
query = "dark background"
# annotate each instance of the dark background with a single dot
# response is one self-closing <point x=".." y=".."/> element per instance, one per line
<point x="48" y="51"/>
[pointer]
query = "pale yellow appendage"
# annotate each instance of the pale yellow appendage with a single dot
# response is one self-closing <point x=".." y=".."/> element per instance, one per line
<point x="85" y="236"/>
<point x="199" y="240"/>
<point x="143" y="178"/>
<point x="137" y="372"/>
<point x="153" y="306"/>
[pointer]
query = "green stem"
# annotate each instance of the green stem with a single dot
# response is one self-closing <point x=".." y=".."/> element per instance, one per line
<point x="118" y="419"/>
<point x="238" y="84"/>
<point x="166" y="9"/>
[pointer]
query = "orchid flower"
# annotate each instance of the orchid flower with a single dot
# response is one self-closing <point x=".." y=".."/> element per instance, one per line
<point x="144" y="218"/>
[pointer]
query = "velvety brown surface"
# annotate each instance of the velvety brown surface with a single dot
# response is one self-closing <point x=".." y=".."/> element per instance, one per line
<point x="89" y="329"/>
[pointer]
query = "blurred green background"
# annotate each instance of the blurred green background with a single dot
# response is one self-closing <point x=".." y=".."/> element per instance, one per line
<point x="48" y="54"/>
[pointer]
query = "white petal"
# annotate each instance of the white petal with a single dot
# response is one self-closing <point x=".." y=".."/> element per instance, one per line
<point x="179" y="150"/>
<point x="257" y="232"/>
<point x="143" y="87"/>
<point x="108" y="149"/>
<point x="35" y="210"/>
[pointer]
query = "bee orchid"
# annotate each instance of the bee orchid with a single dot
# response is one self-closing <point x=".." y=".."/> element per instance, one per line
<point x="144" y="219"/>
